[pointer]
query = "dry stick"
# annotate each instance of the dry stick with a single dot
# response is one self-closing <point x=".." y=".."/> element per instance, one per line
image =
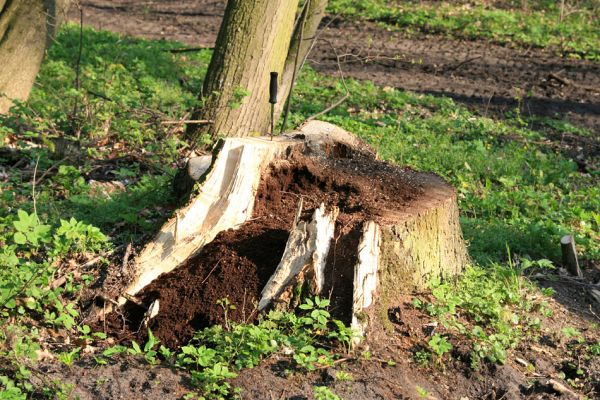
<point x="126" y="257"/>
<point x="78" y="68"/>
<point x="593" y="313"/>
<point x="295" y="71"/>
<point x="314" y="39"/>
<point x="33" y="186"/>
<point x="188" y="49"/>
<point x="460" y="64"/>
<point x="188" y="121"/>
<point x="52" y="167"/>
<point x="487" y="106"/>
<point x="211" y="271"/>
<point x="342" y="99"/>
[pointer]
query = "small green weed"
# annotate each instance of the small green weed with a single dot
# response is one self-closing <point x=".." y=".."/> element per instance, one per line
<point x="324" y="393"/>
<point x="594" y="349"/>
<point x="439" y="345"/>
<point x="216" y="353"/>
<point x="423" y="393"/>
<point x="343" y="376"/>
<point x="498" y="303"/>
<point x="69" y="357"/>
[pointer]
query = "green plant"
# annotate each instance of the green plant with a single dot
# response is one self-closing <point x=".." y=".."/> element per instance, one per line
<point x="422" y="392"/>
<point x="422" y="357"/>
<point x="148" y="351"/>
<point x="29" y="230"/>
<point x="68" y="358"/>
<point x="216" y="352"/>
<point x="570" y="332"/>
<point x="324" y="393"/>
<point x="498" y="304"/>
<point x="343" y="376"/>
<point x="594" y="349"/>
<point x="226" y="305"/>
<point x="439" y="345"/>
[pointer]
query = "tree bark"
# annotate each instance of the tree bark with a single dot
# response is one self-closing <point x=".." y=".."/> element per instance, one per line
<point x="27" y="28"/>
<point x="253" y="40"/>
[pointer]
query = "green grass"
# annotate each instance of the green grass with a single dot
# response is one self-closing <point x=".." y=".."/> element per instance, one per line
<point x="534" y="23"/>
<point x="513" y="191"/>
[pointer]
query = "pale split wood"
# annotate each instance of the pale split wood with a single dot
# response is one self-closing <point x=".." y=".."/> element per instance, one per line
<point x="365" y="277"/>
<point x="304" y="257"/>
<point x="225" y="200"/>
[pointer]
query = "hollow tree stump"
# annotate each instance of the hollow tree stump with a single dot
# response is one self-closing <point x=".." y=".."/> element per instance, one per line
<point x="339" y="222"/>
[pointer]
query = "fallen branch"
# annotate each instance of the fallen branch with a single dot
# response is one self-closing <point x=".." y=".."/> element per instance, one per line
<point x="188" y="121"/>
<point x="52" y="167"/>
<point x="188" y="49"/>
<point x="460" y="64"/>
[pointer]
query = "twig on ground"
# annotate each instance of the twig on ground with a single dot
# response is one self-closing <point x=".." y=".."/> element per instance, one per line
<point x="188" y="49"/>
<point x="33" y="185"/>
<point x="567" y="279"/>
<point x="343" y="98"/>
<point x="593" y="313"/>
<point x="338" y="361"/>
<point x="126" y="258"/>
<point x="52" y="167"/>
<point x="211" y="271"/>
<point x="487" y="106"/>
<point x="188" y="121"/>
<point x="460" y="64"/>
<point x="568" y="82"/>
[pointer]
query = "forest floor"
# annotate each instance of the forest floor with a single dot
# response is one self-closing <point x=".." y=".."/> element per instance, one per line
<point x="514" y="127"/>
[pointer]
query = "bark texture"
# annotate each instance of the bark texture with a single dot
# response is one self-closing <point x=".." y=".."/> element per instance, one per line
<point x="253" y="40"/>
<point x="27" y="28"/>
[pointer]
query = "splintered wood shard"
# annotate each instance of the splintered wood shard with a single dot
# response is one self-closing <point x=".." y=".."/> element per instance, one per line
<point x="304" y="257"/>
<point x="225" y="200"/>
<point x="365" y="276"/>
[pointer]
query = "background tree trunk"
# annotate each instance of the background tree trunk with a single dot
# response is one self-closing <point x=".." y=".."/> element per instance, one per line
<point x="302" y="40"/>
<point x="253" y="41"/>
<point x="27" y="28"/>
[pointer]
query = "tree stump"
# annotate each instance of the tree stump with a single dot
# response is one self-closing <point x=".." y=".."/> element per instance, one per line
<point x="313" y="211"/>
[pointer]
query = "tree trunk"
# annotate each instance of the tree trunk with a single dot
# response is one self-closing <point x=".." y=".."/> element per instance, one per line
<point x="253" y="41"/>
<point x="359" y="231"/>
<point x="27" y="28"/>
<point x="302" y="39"/>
